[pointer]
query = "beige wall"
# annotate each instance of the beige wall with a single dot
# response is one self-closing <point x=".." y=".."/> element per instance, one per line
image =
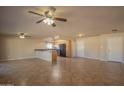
<point x="73" y="44"/>
<point x="96" y="46"/>
<point x="103" y="50"/>
<point x="90" y="47"/>
<point x="15" y="48"/>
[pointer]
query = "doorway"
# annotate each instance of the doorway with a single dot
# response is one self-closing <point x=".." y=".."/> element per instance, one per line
<point x="62" y="48"/>
<point x="115" y="49"/>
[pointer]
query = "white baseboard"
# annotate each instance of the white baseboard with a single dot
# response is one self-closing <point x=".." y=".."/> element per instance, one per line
<point x="116" y="61"/>
<point x="16" y="58"/>
<point x="36" y="57"/>
<point x="101" y="59"/>
<point x="91" y="58"/>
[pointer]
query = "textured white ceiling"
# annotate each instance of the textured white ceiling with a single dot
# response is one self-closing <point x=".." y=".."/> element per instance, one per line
<point x="81" y="19"/>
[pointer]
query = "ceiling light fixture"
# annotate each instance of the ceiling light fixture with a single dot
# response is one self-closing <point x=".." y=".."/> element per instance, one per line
<point x="48" y="21"/>
<point x="22" y="36"/>
<point x="81" y="35"/>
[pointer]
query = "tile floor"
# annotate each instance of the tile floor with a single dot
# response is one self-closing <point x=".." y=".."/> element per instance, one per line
<point x="67" y="71"/>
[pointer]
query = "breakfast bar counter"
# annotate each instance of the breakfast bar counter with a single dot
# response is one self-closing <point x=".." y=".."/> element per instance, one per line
<point x="49" y="55"/>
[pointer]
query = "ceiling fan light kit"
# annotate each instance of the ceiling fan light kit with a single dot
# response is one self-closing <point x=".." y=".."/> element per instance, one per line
<point x="48" y="21"/>
<point x="22" y="36"/>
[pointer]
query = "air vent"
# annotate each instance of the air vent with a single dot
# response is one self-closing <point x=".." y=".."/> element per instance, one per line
<point x="114" y="30"/>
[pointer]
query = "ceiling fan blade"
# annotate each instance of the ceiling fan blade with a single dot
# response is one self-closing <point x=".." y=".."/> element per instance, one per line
<point x="54" y="25"/>
<point x="35" y="13"/>
<point x="39" y="21"/>
<point x="60" y="19"/>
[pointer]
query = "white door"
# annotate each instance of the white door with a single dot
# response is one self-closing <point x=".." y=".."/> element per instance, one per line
<point x="80" y="48"/>
<point x="115" y="49"/>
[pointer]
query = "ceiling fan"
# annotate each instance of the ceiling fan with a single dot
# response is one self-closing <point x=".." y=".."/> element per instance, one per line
<point x="22" y="35"/>
<point x="48" y="17"/>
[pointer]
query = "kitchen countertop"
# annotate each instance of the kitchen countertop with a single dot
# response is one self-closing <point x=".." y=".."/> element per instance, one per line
<point x="44" y="49"/>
